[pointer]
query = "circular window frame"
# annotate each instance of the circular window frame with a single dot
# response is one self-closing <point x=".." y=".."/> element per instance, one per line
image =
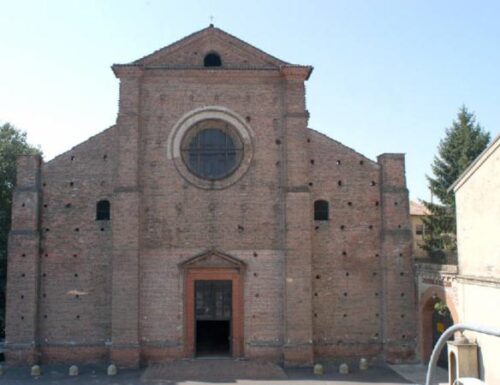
<point x="182" y="130"/>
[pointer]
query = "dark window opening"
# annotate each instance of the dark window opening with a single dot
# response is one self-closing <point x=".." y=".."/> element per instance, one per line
<point x="419" y="229"/>
<point x="212" y="60"/>
<point x="321" y="210"/>
<point x="103" y="211"/>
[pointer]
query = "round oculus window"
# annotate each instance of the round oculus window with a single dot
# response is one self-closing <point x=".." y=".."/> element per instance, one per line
<point x="212" y="150"/>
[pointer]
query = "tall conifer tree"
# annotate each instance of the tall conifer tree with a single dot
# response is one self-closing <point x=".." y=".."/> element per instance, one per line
<point x="463" y="142"/>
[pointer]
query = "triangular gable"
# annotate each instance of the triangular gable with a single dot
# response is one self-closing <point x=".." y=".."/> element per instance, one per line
<point x="213" y="259"/>
<point x="191" y="50"/>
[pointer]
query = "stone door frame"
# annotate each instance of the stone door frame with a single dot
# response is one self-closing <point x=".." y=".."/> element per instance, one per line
<point x="213" y="265"/>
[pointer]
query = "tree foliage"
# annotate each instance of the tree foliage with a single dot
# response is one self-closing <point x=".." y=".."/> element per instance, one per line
<point x="463" y="142"/>
<point x="12" y="144"/>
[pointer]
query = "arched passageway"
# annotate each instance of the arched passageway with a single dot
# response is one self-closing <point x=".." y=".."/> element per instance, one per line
<point x="437" y="312"/>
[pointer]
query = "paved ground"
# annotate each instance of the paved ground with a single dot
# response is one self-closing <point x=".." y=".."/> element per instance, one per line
<point x="209" y="372"/>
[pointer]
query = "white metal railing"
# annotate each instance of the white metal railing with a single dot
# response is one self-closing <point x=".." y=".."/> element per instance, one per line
<point x="446" y="335"/>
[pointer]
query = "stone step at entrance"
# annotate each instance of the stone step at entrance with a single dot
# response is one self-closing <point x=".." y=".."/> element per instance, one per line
<point x="213" y="370"/>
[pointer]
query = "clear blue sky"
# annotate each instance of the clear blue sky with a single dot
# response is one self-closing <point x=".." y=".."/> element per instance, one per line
<point x="389" y="76"/>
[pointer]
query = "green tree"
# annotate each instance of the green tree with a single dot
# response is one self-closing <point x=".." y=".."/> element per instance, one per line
<point x="12" y="144"/>
<point x="463" y="142"/>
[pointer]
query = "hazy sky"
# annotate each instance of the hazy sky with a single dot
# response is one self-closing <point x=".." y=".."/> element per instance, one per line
<point x="389" y="76"/>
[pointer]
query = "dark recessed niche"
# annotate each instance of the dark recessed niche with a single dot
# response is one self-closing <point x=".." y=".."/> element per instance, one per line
<point x="312" y="161"/>
<point x="44" y="295"/>
<point x="255" y="274"/>
<point x="277" y="163"/>
<point x="257" y="295"/>
<point x="349" y="203"/>
<point x="22" y="296"/>
<point x="377" y="315"/>
<point x="342" y="227"/>
<point x="44" y="184"/>
<point x="71" y="184"/>
<point x="399" y="226"/>
<point x="46" y="255"/>
<point x="23" y="255"/>
<point x="403" y="336"/>
<point x="361" y="162"/>
<point x="240" y="228"/>
<point x="344" y="252"/>
<point x="395" y="203"/>
<point x="77" y="229"/>
<point x="345" y="294"/>
<point x="376" y="255"/>
<point x="44" y="275"/>
<point x="75" y="255"/>
<point x="45" y="316"/>
<point x="402" y="316"/>
<point x="104" y="157"/>
<point x="23" y="205"/>
<point x="345" y="315"/>
<point x="338" y="162"/>
<point x="277" y="141"/>
<point x="376" y="203"/>
<point x="308" y="140"/>
<point x="370" y="227"/>
<point x="402" y="294"/>
<point x="376" y="294"/>
<point x="339" y="183"/>
<point x="374" y="273"/>
<point x="78" y="316"/>
<point x="77" y="296"/>
<point x="102" y="228"/>
<point x="310" y="184"/>
<point x="248" y="119"/>
<point x="400" y="254"/>
<point x="23" y="275"/>
<point x="318" y="276"/>
<point x="401" y="274"/>
<point x="22" y="318"/>
<point x="376" y="335"/>
<point x="76" y="275"/>
<point x="315" y="294"/>
<point x="45" y="205"/>
<point x="72" y="157"/>
<point x="255" y="254"/>
<point x="316" y="227"/>
<point x="373" y="183"/>
<point x="68" y="205"/>
<point x="315" y="314"/>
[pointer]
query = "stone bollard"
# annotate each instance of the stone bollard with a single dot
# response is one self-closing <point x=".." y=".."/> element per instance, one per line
<point x="318" y="370"/>
<point x="36" y="371"/>
<point x="363" y="364"/>
<point x="73" y="370"/>
<point x="344" y="368"/>
<point x="112" y="370"/>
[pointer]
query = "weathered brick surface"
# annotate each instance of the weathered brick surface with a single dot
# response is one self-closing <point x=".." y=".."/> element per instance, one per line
<point x="114" y="290"/>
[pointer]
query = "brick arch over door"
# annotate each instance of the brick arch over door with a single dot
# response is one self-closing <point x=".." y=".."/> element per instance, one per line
<point x="425" y="309"/>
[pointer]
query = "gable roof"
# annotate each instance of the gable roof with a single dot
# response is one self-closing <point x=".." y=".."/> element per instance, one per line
<point x="211" y="32"/>
<point x="477" y="163"/>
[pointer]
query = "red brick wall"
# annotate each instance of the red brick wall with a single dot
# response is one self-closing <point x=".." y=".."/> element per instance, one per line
<point x="114" y="290"/>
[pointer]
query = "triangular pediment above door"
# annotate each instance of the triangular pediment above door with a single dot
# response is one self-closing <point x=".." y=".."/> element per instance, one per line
<point x="213" y="259"/>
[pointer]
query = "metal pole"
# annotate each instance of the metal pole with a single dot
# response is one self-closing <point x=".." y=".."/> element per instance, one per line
<point x="492" y="331"/>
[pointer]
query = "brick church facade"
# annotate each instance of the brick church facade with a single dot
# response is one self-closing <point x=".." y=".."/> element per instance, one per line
<point x="210" y="220"/>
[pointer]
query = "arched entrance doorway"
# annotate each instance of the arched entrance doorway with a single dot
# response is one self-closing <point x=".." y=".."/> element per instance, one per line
<point x="437" y="313"/>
